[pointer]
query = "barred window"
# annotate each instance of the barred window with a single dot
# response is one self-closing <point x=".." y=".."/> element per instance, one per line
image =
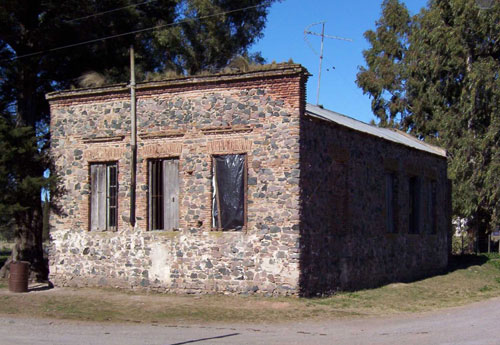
<point x="163" y="194"/>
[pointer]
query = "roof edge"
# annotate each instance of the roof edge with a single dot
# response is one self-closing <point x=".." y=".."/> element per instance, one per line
<point x="429" y="148"/>
<point x="274" y="71"/>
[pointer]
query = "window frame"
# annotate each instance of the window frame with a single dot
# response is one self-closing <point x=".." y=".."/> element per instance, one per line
<point x="414" y="205"/>
<point x="432" y="206"/>
<point x="161" y="201"/>
<point x="213" y="193"/>
<point x="110" y="198"/>
<point x="391" y="202"/>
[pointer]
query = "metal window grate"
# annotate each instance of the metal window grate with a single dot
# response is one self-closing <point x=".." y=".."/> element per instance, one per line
<point x="156" y="194"/>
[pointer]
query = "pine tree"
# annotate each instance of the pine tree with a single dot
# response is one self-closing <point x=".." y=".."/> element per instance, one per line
<point x="208" y="34"/>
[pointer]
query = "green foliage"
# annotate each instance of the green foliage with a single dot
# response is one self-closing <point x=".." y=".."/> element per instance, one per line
<point x="203" y="40"/>
<point x="463" y="244"/>
<point x="21" y="174"/>
<point x="384" y="75"/>
<point x="438" y="74"/>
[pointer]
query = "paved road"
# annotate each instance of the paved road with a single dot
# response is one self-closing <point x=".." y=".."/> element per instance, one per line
<point x="477" y="323"/>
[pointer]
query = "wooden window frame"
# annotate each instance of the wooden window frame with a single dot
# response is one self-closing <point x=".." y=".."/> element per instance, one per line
<point x="111" y="198"/>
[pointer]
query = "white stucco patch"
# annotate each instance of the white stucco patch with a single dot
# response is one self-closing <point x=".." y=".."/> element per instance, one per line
<point x="160" y="268"/>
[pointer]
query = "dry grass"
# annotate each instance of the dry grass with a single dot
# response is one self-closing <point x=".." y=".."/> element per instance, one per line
<point x="472" y="279"/>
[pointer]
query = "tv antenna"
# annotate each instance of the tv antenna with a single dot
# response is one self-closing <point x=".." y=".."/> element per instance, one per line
<point x="322" y="35"/>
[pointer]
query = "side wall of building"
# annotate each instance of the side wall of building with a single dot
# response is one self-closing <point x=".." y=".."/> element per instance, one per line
<point x="345" y="240"/>
<point x="192" y="121"/>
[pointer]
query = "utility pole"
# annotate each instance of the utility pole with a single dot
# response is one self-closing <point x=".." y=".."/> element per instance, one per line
<point x="322" y="35"/>
<point x="133" y="136"/>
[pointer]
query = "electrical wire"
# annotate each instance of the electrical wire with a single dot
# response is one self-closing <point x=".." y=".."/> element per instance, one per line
<point x="131" y="32"/>
<point x="106" y="12"/>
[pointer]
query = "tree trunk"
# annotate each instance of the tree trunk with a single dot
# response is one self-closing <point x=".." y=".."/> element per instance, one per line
<point x="29" y="245"/>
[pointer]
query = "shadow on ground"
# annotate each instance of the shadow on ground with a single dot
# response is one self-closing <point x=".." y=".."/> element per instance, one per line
<point x="460" y="262"/>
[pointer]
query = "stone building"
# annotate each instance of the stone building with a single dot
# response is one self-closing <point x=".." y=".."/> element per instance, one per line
<point x="310" y="201"/>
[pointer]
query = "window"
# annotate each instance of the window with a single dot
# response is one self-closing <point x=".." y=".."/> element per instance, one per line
<point x="414" y="205"/>
<point x="229" y="186"/>
<point x="431" y="207"/>
<point x="391" y="202"/>
<point x="163" y="203"/>
<point x="103" y="196"/>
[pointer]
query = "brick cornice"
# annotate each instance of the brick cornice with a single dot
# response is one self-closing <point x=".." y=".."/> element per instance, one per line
<point x="183" y="83"/>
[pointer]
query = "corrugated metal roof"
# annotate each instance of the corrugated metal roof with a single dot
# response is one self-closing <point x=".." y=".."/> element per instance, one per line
<point x="384" y="133"/>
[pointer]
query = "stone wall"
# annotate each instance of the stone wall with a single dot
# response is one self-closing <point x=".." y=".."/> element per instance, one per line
<point x="344" y="240"/>
<point x="316" y="210"/>
<point x="191" y="119"/>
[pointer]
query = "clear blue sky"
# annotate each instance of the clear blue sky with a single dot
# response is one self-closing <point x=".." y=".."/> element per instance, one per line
<point x="284" y="39"/>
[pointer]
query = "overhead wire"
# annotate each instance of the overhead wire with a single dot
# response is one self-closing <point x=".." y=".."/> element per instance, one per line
<point x="156" y="27"/>
<point x="108" y="11"/>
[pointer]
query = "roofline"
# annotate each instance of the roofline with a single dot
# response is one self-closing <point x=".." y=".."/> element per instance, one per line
<point x="278" y="70"/>
<point x="432" y="149"/>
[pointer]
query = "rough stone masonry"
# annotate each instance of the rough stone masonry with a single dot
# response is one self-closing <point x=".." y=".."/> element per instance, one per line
<point x="296" y="238"/>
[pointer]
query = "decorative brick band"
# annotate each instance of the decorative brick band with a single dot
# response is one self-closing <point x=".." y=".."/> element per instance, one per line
<point x="103" y="139"/>
<point x="229" y="146"/>
<point x="160" y="150"/>
<point x="164" y="134"/>
<point x="104" y="153"/>
<point x="226" y="130"/>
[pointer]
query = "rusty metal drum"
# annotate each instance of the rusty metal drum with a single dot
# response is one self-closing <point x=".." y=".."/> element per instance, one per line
<point x="19" y="274"/>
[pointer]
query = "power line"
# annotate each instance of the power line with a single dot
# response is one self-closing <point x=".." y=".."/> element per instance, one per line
<point x="131" y="32"/>
<point x="106" y="12"/>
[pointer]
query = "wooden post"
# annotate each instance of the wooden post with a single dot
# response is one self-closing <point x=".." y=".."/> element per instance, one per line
<point x="133" y="136"/>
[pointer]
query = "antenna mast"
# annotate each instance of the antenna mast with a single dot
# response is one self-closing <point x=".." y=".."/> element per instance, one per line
<point x="322" y="35"/>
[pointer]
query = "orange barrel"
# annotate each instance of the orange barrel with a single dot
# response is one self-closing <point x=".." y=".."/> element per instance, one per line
<point x="19" y="274"/>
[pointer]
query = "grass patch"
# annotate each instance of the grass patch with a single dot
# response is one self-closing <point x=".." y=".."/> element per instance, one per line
<point x="471" y="278"/>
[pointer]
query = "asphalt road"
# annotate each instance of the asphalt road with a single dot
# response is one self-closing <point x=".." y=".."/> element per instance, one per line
<point x="477" y="323"/>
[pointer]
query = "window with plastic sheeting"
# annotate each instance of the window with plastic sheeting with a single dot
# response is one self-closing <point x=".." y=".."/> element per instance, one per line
<point x="103" y="196"/>
<point x="229" y="192"/>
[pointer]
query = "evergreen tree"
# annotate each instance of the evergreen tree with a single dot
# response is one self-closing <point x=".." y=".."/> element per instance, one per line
<point x="21" y="179"/>
<point x="208" y="34"/>
<point x="447" y="92"/>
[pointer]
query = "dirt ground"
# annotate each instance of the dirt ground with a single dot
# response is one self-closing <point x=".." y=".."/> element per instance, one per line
<point x="467" y="325"/>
